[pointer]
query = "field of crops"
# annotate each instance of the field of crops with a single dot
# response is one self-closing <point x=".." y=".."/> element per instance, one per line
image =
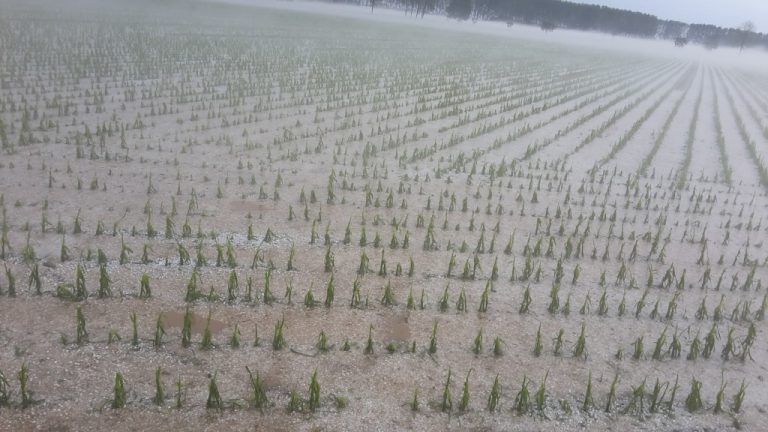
<point x="224" y="217"/>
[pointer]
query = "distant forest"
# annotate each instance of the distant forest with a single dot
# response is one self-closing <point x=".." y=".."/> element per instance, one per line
<point x="552" y="14"/>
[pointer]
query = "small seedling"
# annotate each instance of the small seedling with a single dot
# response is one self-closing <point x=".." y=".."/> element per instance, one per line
<point x="602" y="307"/>
<point x="447" y="403"/>
<point x="267" y="295"/>
<point x="179" y="393"/>
<point x="623" y="305"/>
<point x="64" y="250"/>
<point x="81" y="293"/>
<point x="309" y="298"/>
<point x="258" y="391"/>
<point x="522" y="398"/>
<point x="554" y="302"/>
<point x="673" y="393"/>
<point x="186" y="329"/>
<point x="192" y="289"/>
<point x="355" y="294"/>
<point x="278" y="341"/>
<point x="709" y="342"/>
<point x="134" y="329"/>
<point x="729" y="347"/>
<point x="145" y="291"/>
<point x="693" y="401"/>
<point x="495" y="395"/>
<point x="588" y="401"/>
<point x="82" y="333"/>
<point x="719" y="398"/>
<point x="4" y="391"/>
<point x="484" y="298"/>
<point x="579" y="350"/>
<point x="119" y="392"/>
<point x="159" y="332"/>
<point x="638" y="348"/>
<point x="746" y="344"/>
<point x="537" y="347"/>
<point x="478" y="343"/>
<point x="23" y="376"/>
<point x="113" y="336"/>
<point x="464" y="404"/>
<point x="675" y="347"/>
<point x="584" y="310"/>
<point x="415" y="400"/>
<point x="388" y="299"/>
<point x="461" y="303"/>
<point x="657" y="396"/>
<point x="329" y="293"/>
<point x="433" y="339"/>
<point x="738" y="398"/>
<point x="612" y="393"/>
<point x="369" y="343"/>
<point x="256" y="340"/>
<point x="234" y="340"/>
<point x="695" y="349"/>
<point x="232" y="287"/>
<point x="159" y="389"/>
<point x="294" y="403"/>
<point x="314" y="393"/>
<point x="207" y="342"/>
<point x="34" y="279"/>
<point x="322" y="342"/>
<point x="636" y="403"/>
<point x="497" y="351"/>
<point x="566" y="310"/>
<point x="526" y="303"/>
<point x="443" y="303"/>
<point x="214" y="398"/>
<point x="541" y="394"/>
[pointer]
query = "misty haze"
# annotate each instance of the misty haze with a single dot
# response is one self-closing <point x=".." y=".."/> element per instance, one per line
<point x="381" y="215"/>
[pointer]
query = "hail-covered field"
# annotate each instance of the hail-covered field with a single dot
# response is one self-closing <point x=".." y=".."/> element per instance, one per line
<point x="225" y="217"/>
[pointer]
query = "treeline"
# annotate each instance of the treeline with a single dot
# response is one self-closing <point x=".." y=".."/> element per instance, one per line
<point x="552" y="14"/>
<point x="569" y="15"/>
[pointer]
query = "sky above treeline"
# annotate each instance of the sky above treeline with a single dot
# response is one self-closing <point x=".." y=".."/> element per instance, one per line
<point x="723" y="13"/>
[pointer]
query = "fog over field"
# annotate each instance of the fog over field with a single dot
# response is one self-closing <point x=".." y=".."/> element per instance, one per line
<point x="288" y="215"/>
